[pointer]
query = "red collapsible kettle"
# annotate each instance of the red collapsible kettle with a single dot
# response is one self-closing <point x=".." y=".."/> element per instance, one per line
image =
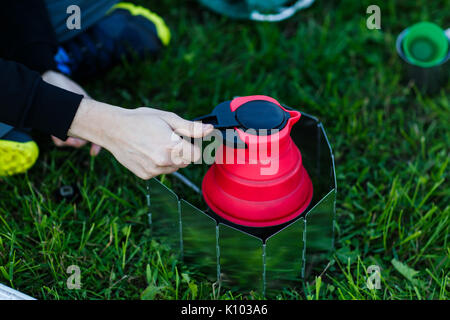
<point x="258" y="179"/>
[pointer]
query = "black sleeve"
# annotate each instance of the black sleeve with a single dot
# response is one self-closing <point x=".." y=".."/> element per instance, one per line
<point x="26" y="34"/>
<point x="27" y="101"/>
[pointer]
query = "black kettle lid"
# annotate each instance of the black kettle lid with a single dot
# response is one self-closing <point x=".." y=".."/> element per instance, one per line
<point x="258" y="115"/>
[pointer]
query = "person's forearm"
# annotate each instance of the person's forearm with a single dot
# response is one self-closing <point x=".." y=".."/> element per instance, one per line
<point x="94" y="121"/>
<point x="144" y="140"/>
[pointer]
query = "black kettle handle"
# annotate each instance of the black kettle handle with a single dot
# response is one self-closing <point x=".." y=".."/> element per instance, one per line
<point x="221" y="118"/>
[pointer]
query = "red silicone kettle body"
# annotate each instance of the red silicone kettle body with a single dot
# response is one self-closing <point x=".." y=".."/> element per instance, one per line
<point x="263" y="183"/>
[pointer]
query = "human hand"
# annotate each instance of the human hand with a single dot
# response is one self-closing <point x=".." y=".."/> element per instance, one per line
<point x="146" y="141"/>
<point x="60" y="80"/>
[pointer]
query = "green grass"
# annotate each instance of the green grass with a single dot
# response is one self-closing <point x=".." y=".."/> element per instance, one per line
<point x="390" y="141"/>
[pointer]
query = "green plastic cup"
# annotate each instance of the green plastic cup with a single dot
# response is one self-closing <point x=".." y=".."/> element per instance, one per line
<point x="425" y="44"/>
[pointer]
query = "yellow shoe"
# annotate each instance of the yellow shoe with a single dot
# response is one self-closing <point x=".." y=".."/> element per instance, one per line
<point x="126" y="30"/>
<point x="162" y="30"/>
<point x="18" y="153"/>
